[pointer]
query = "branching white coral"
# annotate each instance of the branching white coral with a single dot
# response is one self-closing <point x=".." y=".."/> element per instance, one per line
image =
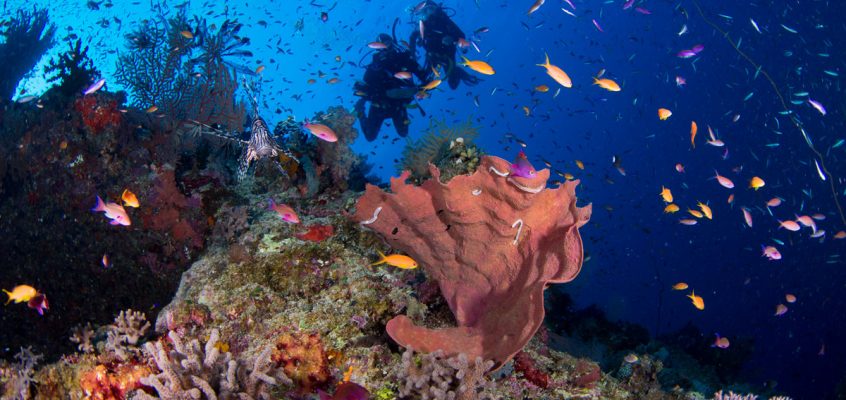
<point x="443" y="378"/>
<point x="123" y="336"/>
<point x="193" y="371"/>
<point x="82" y="336"/>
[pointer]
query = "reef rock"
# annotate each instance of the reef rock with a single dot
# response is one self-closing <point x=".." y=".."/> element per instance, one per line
<point x="492" y="241"/>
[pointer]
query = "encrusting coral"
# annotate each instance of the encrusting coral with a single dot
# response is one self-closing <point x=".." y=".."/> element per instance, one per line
<point x="493" y="243"/>
<point x="194" y="371"/>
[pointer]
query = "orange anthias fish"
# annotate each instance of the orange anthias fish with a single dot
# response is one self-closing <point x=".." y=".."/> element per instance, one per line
<point x="696" y="300"/>
<point x="664" y="113"/>
<point x="721" y="342"/>
<point x="396" y="260"/>
<point x="556" y="73"/>
<point x="607" y="84"/>
<point x="747" y="217"/>
<point x="694" y="213"/>
<point x="321" y="131"/>
<point x="774" y="202"/>
<point x="724" y="182"/>
<point x="671" y="208"/>
<point x="478" y="66"/>
<point x="790" y="298"/>
<point x="781" y="309"/>
<point x="115" y="212"/>
<point x="756" y="183"/>
<point x="693" y="130"/>
<point x="187" y="34"/>
<point x="129" y="199"/>
<point x="792" y="226"/>
<point x="20" y="293"/>
<point x="542" y="88"/>
<point x="666" y="194"/>
<point x="285" y="212"/>
<point x="705" y="210"/>
<point x="680" y="286"/>
<point x="840" y="235"/>
<point x="431" y="85"/>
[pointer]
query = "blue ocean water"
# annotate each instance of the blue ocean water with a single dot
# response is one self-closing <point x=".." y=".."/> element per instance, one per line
<point x="636" y="251"/>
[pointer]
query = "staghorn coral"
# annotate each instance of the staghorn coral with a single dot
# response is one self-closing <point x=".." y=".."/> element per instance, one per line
<point x="194" y="371"/>
<point x="435" y="146"/>
<point x="436" y="376"/>
<point x="492" y="242"/>
<point x="27" y="36"/>
<point x="123" y="335"/>
<point x="82" y="336"/>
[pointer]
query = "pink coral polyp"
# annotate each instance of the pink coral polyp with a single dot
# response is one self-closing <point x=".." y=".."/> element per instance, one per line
<point x="492" y="242"/>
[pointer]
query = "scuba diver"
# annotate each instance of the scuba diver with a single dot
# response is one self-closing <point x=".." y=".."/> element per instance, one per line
<point x="388" y="86"/>
<point x="440" y="37"/>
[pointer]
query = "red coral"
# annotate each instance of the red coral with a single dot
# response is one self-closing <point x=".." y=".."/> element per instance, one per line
<point x="492" y="242"/>
<point x="103" y="383"/>
<point x="303" y="358"/>
<point x="317" y="233"/>
<point x="586" y="374"/>
<point x="167" y="210"/>
<point x="524" y="364"/>
<point x="97" y="116"/>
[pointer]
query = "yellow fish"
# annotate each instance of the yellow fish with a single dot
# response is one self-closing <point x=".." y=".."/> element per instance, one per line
<point x="694" y="213"/>
<point x="680" y="286"/>
<point x="671" y="208"/>
<point x="152" y="109"/>
<point x="396" y="260"/>
<point x="666" y="194"/>
<point x="705" y="210"/>
<point x="664" y="113"/>
<point x="556" y="73"/>
<point x="697" y="301"/>
<point x="20" y="294"/>
<point x="607" y="84"/>
<point x="693" y="130"/>
<point x="129" y="199"/>
<point x="756" y="183"/>
<point x="431" y="85"/>
<point x="478" y="66"/>
<point x="580" y="164"/>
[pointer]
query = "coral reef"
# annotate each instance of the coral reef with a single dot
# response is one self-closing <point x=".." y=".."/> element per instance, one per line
<point x="16" y="380"/>
<point x="124" y="334"/>
<point x="192" y="370"/>
<point x="448" y="147"/>
<point x="27" y="36"/>
<point x="493" y="243"/>
<point x="436" y="376"/>
<point x="303" y="358"/>
<point x="82" y="336"/>
<point x="186" y="78"/>
<point x="325" y="167"/>
<point x="73" y="70"/>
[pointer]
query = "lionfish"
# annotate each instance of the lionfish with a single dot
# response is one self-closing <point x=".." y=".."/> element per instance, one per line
<point x="260" y="145"/>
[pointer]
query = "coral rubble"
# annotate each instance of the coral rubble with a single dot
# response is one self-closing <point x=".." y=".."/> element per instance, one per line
<point x="492" y="242"/>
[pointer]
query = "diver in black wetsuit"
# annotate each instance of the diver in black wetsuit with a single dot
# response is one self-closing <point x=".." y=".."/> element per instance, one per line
<point x="389" y="87"/>
<point x="440" y="36"/>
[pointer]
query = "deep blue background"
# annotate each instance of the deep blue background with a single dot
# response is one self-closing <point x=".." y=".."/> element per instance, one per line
<point x="636" y="252"/>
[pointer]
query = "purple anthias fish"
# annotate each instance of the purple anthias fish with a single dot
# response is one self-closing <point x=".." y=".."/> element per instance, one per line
<point x="817" y="105"/>
<point x="39" y="303"/>
<point x="691" y="52"/>
<point x="347" y="391"/>
<point x="522" y="167"/>
<point x="94" y="87"/>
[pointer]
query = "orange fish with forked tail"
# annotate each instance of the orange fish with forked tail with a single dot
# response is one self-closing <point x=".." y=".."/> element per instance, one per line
<point x="556" y="73"/>
<point x="396" y="260"/>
